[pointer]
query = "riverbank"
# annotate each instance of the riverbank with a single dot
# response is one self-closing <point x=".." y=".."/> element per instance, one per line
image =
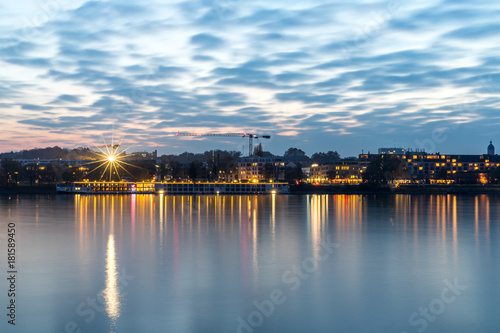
<point x="318" y="189"/>
<point x="402" y="189"/>
<point x="27" y="189"/>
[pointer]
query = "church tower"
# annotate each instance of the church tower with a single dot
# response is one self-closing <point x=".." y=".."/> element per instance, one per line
<point x="491" y="149"/>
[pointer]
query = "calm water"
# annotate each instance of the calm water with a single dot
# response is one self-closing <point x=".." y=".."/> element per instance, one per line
<point x="310" y="263"/>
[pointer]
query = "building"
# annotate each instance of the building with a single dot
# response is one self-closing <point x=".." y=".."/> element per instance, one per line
<point x="306" y="171"/>
<point x="227" y="177"/>
<point x="391" y="151"/>
<point x="344" y="172"/>
<point x="427" y="166"/>
<point x="491" y="149"/>
<point x="45" y="162"/>
<point x="261" y="168"/>
<point x="421" y="166"/>
<point x="141" y="156"/>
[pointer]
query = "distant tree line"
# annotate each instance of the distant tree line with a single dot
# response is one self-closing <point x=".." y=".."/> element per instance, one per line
<point x="318" y="158"/>
<point x="50" y="153"/>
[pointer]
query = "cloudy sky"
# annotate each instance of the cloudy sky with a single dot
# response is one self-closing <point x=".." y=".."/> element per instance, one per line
<point x="318" y="75"/>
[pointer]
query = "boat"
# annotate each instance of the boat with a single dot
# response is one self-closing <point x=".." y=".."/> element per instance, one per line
<point x="173" y="188"/>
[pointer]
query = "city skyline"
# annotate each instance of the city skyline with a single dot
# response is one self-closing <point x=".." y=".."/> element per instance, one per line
<point x="318" y="76"/>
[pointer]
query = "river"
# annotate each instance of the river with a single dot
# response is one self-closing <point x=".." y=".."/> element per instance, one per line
<point x="238" y="263"/>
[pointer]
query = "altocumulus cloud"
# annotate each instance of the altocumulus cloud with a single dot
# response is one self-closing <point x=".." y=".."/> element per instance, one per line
<point x="315" y="74"/>
<point x="207" y="41"/>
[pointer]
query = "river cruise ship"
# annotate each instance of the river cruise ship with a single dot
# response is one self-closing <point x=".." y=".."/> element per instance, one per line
<point x="173" y="188"/>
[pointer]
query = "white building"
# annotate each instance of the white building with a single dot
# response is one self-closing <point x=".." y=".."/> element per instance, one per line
<point x="261" y="168"/>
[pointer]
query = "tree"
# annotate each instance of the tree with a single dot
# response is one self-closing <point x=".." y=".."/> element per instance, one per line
<point x="258" y="151"/>
<point x="31" y="172"/>
<point x="293" y="174"/>
<point x="495" y="176"/>
<point x="442" y="174"/>
<point x="192" y="170"/>
<point x="295" y="152"/>
<point x="467" y="177"/>
<point x="325" y="158"/>
<point x="49" y="174"/>
<point x="12" y="169"/>
<point x="175" y="169"/>
<point x="68" y="177"/>
<point x="163" y="170"/>
<point x="382" y="169"/>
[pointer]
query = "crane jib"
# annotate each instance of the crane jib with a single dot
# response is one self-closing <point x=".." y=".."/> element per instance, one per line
<point x="242" y="135"/>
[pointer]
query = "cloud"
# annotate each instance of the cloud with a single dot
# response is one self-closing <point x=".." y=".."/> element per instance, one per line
<point x="314" y="70"/>
<point x="32" y="107"/>
<point x="475" y="32"/>
<point x="206" y="41"/>
<point x="62" y="99"/>
<point x="307" y="98"/>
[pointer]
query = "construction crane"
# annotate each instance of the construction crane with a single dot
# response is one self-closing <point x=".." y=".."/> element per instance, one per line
<point x="233" y="135"/>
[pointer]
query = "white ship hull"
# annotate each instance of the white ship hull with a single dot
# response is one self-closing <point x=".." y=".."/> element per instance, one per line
<point x="174" y="188"/>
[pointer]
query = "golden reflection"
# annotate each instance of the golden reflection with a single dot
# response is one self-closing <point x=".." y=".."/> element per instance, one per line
<point x="443" y="221"/>
<point x="132" y="217"/>
<point x="161" y="219"/>
<point x="260" y="226"/>
<point x="487" y="198"/>
<point x="199" y="213"/>
<point x="254" y="238"/>
<point x="454" y="219"/>
<point x="103" y="212"/>
<point x="476" y="221"/>
<point x="273" y="215"/>
<point x="315" y="224"/>
<point x="487" y="217"/>
<point x="112" y="294"/>
<point x="348" y="213"/>
<point x="95" y="217"/>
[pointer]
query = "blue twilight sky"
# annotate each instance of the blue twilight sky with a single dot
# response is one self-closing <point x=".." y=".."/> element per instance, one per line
<point x="318" y="75"/>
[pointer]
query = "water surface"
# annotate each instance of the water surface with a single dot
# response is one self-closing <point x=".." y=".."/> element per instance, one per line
<point x="273" y="263"/>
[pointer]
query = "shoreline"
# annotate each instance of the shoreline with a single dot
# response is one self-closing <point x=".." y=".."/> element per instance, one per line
<point x="318" y="189"/>
<point x="404" y="189"/>
<point x="37" y="189"/>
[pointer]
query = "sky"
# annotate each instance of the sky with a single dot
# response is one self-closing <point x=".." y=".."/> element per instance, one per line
<point x="349" y="76"/>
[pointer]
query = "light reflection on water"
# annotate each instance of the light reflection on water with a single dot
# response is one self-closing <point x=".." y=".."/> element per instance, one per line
<point x="112" y="293"/>
<point x="200" y="262"/>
